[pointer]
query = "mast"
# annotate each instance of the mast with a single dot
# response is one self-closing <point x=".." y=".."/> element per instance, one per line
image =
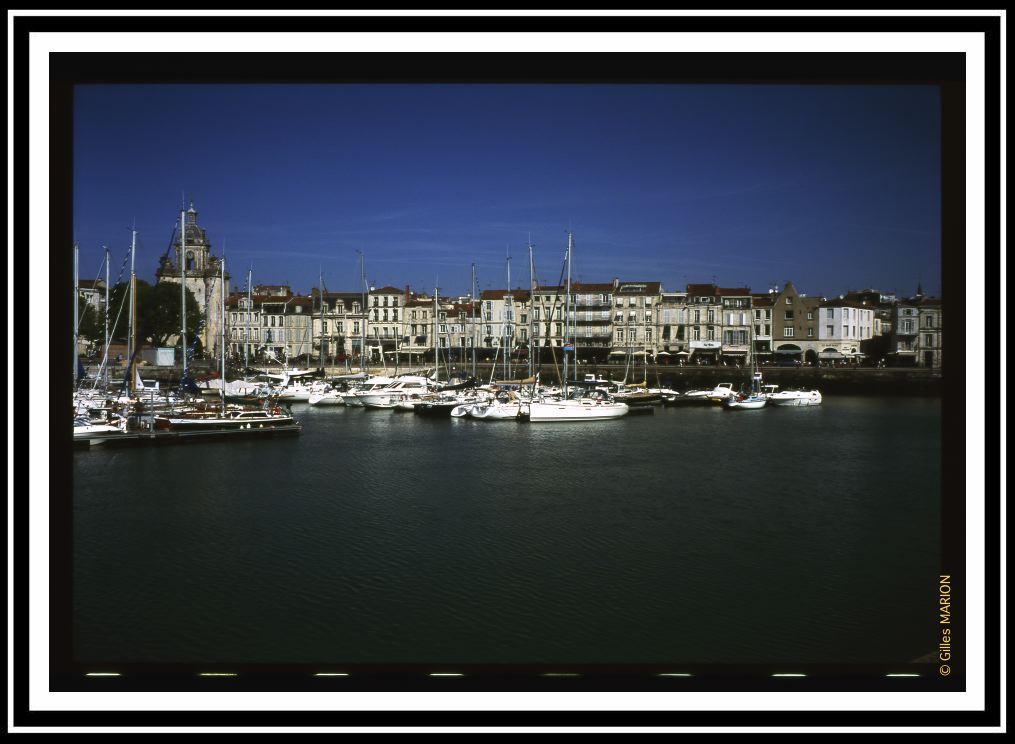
<point x="567" y="308"/>
<point x="183" y="288"/>
<point x="222" y="331"/>
<point x="472" y="308"/>
<point x="133" y="310"/>
<point x="436" y="362"/>
<point x="508" y="329"/>
<point x="363" y="330"/>
<point x="532" y="288"/>
<point x="105" y="355"/>
<point x="246" y="336"/>
<point x="77" y="296"/>
<point x="321" y="298"/>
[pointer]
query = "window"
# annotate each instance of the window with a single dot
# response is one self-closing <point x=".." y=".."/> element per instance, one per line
<point x="394" y="315"/>
<point x="810" y="315"/>
<point x="789" y="315"/>
<point x="787" y="332"/>
<point x="928" y="340"/>
<point x="810" y="333"/>
<point x="620" y="334"/>
<point x="324" y="327"/>
<point x="830" y="330"/>
<point x="789" y="301"/>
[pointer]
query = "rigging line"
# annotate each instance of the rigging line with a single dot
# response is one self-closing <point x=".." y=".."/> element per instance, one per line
<point x="105" y="354"/>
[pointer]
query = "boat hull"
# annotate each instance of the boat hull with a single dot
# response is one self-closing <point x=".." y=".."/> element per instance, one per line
<point x="783" y="401"/>
<point x="732" y="404"/>
<point x="435" y="410"/>
<point x="570" y="411"/>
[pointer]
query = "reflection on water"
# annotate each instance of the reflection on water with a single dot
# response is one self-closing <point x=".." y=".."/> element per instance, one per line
<point x="691" y="535"/>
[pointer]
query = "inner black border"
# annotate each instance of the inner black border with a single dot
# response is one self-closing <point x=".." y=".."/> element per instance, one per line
<point x="946" y="71"/>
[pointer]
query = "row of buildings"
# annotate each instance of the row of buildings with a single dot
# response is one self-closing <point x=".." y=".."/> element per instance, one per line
<point x="616" y="320"/>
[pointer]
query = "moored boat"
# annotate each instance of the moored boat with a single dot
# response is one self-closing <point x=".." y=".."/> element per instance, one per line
<point x="795" y="398"/>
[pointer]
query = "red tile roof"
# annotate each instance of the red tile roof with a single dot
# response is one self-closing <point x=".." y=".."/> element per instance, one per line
<point x="499" y="294"/>
<point x="702" y="290"/>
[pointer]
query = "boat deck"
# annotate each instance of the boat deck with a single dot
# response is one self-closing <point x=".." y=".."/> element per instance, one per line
<point x="165" y="437"/>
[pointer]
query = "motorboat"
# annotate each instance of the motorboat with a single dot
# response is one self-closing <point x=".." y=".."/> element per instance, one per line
<point x="388" y="396"/>
<point x="721" y="392"/>
<point x="354" y="396"/>
<point x="95" y="425"/>
<point x="327" y="398"/>
<point x="795" y="398"/>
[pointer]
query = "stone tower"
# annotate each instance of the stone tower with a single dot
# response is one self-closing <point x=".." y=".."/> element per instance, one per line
<point x="202" y="277"/>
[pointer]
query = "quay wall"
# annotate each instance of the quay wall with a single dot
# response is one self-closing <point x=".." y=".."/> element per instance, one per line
<point x="833" y="380"/>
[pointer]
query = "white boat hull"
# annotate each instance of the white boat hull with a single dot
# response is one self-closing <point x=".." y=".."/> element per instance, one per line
<point x="497" y="412"/>
<point x="733" y="404"/>
<point x="811" y="398"/>
<point x="326" y="399"/>
<point x="570" y="410"/>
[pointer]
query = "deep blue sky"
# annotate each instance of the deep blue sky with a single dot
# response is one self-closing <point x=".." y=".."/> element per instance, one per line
<point x="831" y="187"/>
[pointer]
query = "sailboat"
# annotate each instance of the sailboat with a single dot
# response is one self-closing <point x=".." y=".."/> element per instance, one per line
<point x="754" y="400"/>
<point x="206" y="419"/>
<point x="580" y="404"/>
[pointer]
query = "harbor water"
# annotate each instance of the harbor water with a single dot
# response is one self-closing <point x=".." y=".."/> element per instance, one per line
<point x="694" y="535"/>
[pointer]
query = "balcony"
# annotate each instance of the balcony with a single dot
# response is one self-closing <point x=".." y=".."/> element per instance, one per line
<point x="582" y="302"/>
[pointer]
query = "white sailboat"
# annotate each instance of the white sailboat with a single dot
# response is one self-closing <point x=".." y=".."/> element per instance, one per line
<point x="580" y="405"/>
<point x="757" y="398"/>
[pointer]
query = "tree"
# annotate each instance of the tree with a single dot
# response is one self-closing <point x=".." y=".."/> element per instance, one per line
<point x="158" y="312"/>
<point x="91" y="324"/>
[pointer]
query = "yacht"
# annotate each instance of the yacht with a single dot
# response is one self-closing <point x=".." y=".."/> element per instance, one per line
<point x="592" y="406"/>
<point x="408" y="387"/>
<point x="795" y="398"/>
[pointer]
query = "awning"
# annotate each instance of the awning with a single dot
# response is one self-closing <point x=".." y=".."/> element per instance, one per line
<point x="618" y="353"/>
<point x="663" y="353"/>
<point x="789" y="351"/>
<point x="685" y="353"/>
<point x="831" y="355"/>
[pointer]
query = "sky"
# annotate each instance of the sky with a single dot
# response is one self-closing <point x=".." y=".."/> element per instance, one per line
<point x="831" y="187"/>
